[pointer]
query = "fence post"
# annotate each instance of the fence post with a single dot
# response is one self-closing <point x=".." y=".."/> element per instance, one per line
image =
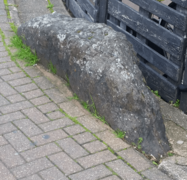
<point x="102" y="6"/>
<point x="183" y="95"/>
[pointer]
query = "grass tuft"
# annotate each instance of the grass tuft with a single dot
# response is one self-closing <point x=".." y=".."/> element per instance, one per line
<point x="52" y="68"/>
<point x="50" y="6"/>
<point x="120" y="134"/>
<point x="23" y="52"/>
<point x="92" y="109"/>
<point x="74" y="97"/>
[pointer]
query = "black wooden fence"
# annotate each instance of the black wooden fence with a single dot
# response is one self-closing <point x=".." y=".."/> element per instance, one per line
<point x="158" y="33"/>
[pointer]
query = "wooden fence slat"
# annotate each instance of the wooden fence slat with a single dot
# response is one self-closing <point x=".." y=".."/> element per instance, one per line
<point x="86" y="5"/>
<point x="170" y="15"/>
<point x="183" y="3"/>
<point x="77" y="11"/>
<point x="160" y="36"/>
<point x="155" y="81"/>
<point x="149" y="54"/>
<point x="102" y="6"/>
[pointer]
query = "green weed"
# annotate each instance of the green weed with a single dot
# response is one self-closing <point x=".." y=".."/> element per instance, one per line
<point x="7" y="9"/>
<point x="74" y="119"/>
<point x="67" y="79"/>
<point x="74" y="97"/>
<point x="154" y="163"/>
<point x="92" y="109"/>
<point x="120" y="134"/>
<point x="13" y="27"/>
<point x="156" y="93"/>
<point x="170" y="154"/>
<point x="177" y="103"/>
<point x="24" y="52"/>
<point x="52" y="68"/>
<point x="139" y="142"/>
<point x="50" y="6"/>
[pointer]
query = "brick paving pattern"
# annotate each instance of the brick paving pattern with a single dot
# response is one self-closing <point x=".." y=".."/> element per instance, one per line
<point x="38" y="142"/>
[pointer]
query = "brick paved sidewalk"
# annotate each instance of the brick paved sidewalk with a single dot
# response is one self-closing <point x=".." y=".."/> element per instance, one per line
<point x="39" y="142"/>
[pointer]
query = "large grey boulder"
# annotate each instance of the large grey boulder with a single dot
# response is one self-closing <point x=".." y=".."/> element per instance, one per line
<point x="101" y="64"/>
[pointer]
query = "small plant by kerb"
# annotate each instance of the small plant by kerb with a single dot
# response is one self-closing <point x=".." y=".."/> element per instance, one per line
<point x="120" y="134"/>
<point x="156" y="93"/>
<point x="139" y="142"/>
<point x="23" y="52"/>
<point x="50" y="6"/>
<point x="170" y="154"/>
<point x="52" y="68"/>
<point x="176" y="104"/>
<point x="74" y="97"/>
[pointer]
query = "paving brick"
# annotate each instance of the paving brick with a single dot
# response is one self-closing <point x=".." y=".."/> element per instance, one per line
<point x="15" y="107"/>
<point x="33" y="94"/>
<point x="3" y="101"/>
<point x="56" y="124"/>
<point x="72" y="109"/>
<point x="52" y="174"/>
<point x="5" y="53"/>
<point x="123" y="170"/>
<point x="2" y="141"/>
<point x="11" y="117"/>
<point x="40" y="100"/>
<point x="65" y="163"/>
<point x="5" y="173"/>
<point x="33" y="177"/>
<point x="135" y="159"/>
<point x="19" y="141"/>
<point x="32" y="71"/>
<point x="5" y="26"/>
<point x="76" y="129"/>
<point x="4" y="71"/>
<point x="15" y="98"/>
<point x="95" y="146"/>
<point x="6" y="128"/>
<point x="72" y="148"/>
<point x="115" y="143"/>
<point x="56" y="95"/>
<point x="49" y="107"/>
<point x="27" y="87"/>
<point x="154" y="173"/>
<point x="13" y="76"/>
<point x="19" y="82"/>
<point x="95" y="159"/>
<point x="92" y="123"/>
<point x="92" y="173"/>
<point x="27" y="127"/>
<point x="2" y="11"/>
<point x="35" y="115"/>
<point x="15" y="69"/>
<point x="10" y="157"/>
<point x="6" y="90"/>
<point x="31" y="168"/>
<point x="84" y="137"/>
<point x="43" y="83"/>
<point x="49" y="137"/>
<point x="55" y="115"/>
<point x="40" y="152"/>
<point x="114" y="177"/>
<point x="1" y="80"/>
<point x="2" y="48"/>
